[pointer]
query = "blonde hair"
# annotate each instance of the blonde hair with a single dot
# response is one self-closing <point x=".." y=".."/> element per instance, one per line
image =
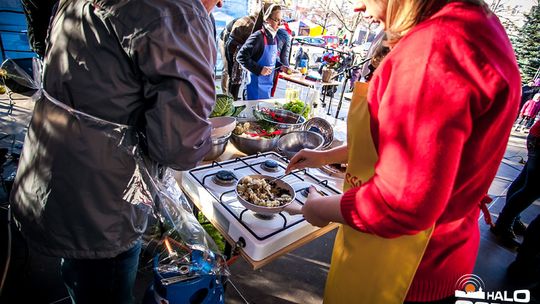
<point x="403" y="15"/>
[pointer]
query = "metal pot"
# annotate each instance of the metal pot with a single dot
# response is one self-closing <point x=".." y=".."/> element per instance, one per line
<point x="252" y="145"/>
<point x="218" y="147"/>
<point x="286" y="121"/>
<point x="322" y="127"/>
<point x="290" y="143"/>
<point x="262" y="209"/>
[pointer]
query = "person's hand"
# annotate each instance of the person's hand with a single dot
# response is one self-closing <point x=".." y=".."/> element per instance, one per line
<point x="266" y="71"/>
<point x="285" y="69"/>
<point x="311" y="209"/>
<point x="306" y="159"/>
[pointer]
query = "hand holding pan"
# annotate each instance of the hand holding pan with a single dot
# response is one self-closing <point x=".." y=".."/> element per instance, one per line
<point x="293" y="209"/>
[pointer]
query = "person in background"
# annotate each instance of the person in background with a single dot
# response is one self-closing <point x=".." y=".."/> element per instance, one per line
<point x="284" y="41"/>
<point x="417" y="167"/>
<point x="69" y="193"/>
<point x="238" y="35"/>
<point x="259" y="55"/>
<point x="301" y="55"/>
<point x="527" y="92"/>
<point x="222" y="41"/>
<point x="376" y="56"/>
<point x="521" y="194"/>
<point x="377" y="45"/>
<point x="528" y="113"/>
<point x="38" y="14"/>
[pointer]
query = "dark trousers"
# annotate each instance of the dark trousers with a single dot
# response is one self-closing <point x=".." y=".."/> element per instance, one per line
<point x="526" y="121"/>
<point x="234" y="90"/>
<point x="530" y="122"/>
<point x="523" y="191"/>
<point x="102" y="280"/>
<point x="529" y="250"/>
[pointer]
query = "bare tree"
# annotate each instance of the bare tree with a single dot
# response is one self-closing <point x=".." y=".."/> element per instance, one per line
<point x="508" y="13"/>
<point x="339" y="13"/>
<point x="346" y="17"/>
<point x="321" y="13"/>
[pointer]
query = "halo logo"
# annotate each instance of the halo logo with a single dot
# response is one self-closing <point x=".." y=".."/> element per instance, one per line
<point x="470" y="286"/>
<point x="470" y="289"/>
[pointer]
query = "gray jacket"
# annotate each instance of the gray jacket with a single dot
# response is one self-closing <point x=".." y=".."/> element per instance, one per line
<point x="145" y="63"/>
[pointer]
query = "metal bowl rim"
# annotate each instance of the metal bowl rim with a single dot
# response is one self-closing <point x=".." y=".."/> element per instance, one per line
<point x="302" y="131"/>
<point x="262" y="209"/>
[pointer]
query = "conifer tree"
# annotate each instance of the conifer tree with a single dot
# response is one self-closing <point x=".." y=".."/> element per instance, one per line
<point x="527" y="45"/>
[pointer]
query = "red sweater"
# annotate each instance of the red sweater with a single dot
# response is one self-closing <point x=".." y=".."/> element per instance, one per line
<point x="442" y="105"/>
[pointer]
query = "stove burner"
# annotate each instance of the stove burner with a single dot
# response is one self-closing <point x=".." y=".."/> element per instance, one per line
<point x="270" y="166"/>
<point x="224" y="178"/>
<point x="264" y="216"/>
<point x="305" y="191"/>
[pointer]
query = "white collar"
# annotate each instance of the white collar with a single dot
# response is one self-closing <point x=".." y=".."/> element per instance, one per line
<point x="270" y="30"/>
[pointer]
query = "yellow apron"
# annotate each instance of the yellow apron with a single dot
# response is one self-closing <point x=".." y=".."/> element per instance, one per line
<point x="367" y="268"/>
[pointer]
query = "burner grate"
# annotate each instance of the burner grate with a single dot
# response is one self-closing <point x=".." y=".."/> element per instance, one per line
<point x="256" y="166"/>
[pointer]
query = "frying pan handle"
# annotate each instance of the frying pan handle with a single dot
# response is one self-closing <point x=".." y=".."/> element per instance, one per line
<point x="293" y="210"/>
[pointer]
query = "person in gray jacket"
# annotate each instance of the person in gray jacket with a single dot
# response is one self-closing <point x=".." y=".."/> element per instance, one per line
<point x="145" y="64"/>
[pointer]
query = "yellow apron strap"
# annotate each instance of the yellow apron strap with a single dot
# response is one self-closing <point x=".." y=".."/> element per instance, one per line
<point x="366" y="268"/>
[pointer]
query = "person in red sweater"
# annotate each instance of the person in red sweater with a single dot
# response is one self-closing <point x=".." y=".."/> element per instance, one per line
<point x="442" y="105"/>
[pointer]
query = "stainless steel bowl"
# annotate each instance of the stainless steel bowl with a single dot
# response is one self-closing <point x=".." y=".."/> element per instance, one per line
<point x="262" y="209"/>
<point x="218" y="147"/>
<point x="323" y="127"/>
<point x="286" y="121"/>
<point x="253" y="145"/>
<point x="290" y="143"/>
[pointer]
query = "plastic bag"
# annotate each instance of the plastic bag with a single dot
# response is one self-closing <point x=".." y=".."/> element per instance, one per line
<point x="183" y="246"/>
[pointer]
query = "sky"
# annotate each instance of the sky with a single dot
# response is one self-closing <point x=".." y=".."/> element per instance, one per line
<point x="526" y="4"/>
<point x="524" y="7"/>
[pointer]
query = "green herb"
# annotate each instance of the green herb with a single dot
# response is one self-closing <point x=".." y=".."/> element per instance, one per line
<point x="298" y="107"/>
<point x="223" y="107"/>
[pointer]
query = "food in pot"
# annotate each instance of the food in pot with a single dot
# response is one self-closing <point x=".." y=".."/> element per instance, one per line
<point x="256" y="130"/>
<point x="259" y="192"/>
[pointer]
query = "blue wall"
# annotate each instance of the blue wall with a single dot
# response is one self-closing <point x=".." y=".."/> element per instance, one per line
<point x="13" y="31"/>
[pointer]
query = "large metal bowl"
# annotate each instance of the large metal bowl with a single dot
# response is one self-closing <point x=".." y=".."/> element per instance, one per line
<point x="290" y="143"/>
<point x="218" y="147"/>
<point x="262" y="209"/>
<point x="252" y="145"/>
<point x="286" y="121"/>
<point x="323" y="127"/>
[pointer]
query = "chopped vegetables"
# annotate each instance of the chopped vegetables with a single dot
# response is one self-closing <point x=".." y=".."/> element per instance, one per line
<point x="256" y="130"/>
<point x="259" y="192"/>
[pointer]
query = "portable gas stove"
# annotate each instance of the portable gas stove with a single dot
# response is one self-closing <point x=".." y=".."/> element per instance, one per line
<point x="261" y="238"/>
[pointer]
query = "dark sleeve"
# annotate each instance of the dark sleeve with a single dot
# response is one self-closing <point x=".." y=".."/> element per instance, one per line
<point x="285" y="49"/>
<point x="251" y="52"/>
<point x="178" y="77"/>
<point x="38" y="15"/>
